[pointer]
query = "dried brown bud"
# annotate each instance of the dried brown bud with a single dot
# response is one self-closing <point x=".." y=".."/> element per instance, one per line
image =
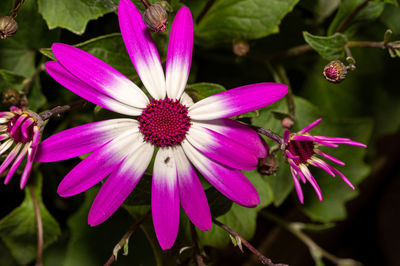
<point x="11" y="97"/>
<point x="8" y="26"/>
<point x="268" y="165"/>
<point x="335" y="71"/>
<point x="287" y="122"/>
<point x="240" y="48"/>
<point x="156" y="18"/>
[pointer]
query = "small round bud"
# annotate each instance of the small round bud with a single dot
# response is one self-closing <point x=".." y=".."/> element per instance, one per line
<point x="156" y="18"/>
<point x="268" y="165"/>
<point x="335" y="71"/>
<point x="8" y="26"/>
<point x="287" y="122"/>
<point x="240" y="48"/>
<point x="11" y="97"/>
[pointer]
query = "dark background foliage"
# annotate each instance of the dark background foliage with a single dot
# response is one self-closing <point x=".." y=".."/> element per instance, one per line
<point x="360" y="224"/>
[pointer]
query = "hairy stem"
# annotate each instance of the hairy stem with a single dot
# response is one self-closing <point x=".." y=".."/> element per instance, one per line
<point x="39" y="226"/>
<point x="126" y="237"/>
<point x="17" y="5"/>
<point x="204" y="11"/>
<point x="264" y="260"/>
<point x="198" y="258"/>
<point x="145" y="3"/>
<point x="347" y="21"/>
<point x="61" y="109"/>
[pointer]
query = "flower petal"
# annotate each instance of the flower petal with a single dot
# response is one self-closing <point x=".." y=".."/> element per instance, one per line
<point x="191" y="193"/>
<point x="141" y="49"/>
<point x="72" y="83"/>
<point x="120" y="183"/>
<point x="97" y="165"/>
<point x="237" y="101"/>
<point x="165" y="198"/>
<point x="230" y="182"/>
<point x="179" y="56"/>
<point x="221" y="148"/>
<point x="82" y="139"/>
<point x="99" y="75"/>
<point x="239" y="133"/>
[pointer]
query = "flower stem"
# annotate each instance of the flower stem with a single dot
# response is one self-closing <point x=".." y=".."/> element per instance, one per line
<point x="270" y="134"/>
<point x="204" y="11"/>
<point x="39" y="225"/>
<point x="61" y="109"/>
<point x="126" y="237"/>
<point x="347" y="21"/>
<point x="198" y="258"/>
<point x="264" y="260"/>
<point x="145" y="3"/>
<point x="316" y="251"/>
<point x="17" y="5"/>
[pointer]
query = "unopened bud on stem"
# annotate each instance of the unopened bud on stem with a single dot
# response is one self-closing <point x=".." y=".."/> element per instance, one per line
<point x="11" y="97"/>
<point x="335" y="71"/>
<point x="240" y="48"/>
<point x="8" y="26"/>
<point x="156" y="18"/>
<point x="268" y="165"/>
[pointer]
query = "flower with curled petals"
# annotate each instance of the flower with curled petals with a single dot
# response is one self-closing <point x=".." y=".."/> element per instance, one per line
<point x="186" y="135"/>
<point x="301" y="150"/>
<point x="20" y="132"/>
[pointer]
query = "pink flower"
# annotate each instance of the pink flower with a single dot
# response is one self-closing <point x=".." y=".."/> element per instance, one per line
<point x="184" y="134"/>
<point x="21" y="131"/>
<point x="302" y="150"/>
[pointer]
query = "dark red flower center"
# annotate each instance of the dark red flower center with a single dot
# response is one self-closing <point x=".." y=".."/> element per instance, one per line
<point x="303" y="149"/>
<point x="164" y="122"/>
<point x="332" y="73"/>
<point x="16" y="133"/>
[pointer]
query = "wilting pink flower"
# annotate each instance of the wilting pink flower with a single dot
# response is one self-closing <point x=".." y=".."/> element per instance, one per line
<point x="20" y="132"/>
<point x="302" y="150"/>
<point x="182" y="133"/>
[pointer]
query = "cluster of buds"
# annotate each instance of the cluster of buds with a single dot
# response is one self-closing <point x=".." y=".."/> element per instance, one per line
<point x="20" y="131"/>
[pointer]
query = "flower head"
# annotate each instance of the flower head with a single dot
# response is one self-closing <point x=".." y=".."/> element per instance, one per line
<point x="187" y="135"/>
<point x="20" y="132"/>
<point x="301" y="150"/>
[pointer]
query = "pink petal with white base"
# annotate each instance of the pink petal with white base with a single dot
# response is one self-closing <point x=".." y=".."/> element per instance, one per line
<point x="99" y="75"/>
<point x="238" y="132"/>
<point x="165" y="198"/>
<point x="179" y="56"/>
<point x="97" y="165"/>
<point x="141" y="49"/>
<point x="191" y="193"/>
<point x="221" y="148"/>
<point x="120" y="183"/>
<point x="237" y="101"/>
<point x="82" y="139"/>
<point x="72" y="83"/>
<point x="230" y="182"/>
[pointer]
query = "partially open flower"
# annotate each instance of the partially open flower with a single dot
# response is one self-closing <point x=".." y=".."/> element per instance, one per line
<point x="302" y="150"/>
<point x="335" y="72"/>
<point x="19" y="131"/>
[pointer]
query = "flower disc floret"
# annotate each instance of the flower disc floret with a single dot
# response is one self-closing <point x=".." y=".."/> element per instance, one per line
<point x="164" y="123"/>
<point x="15" y="128"/>
<point x="302" y="150"/>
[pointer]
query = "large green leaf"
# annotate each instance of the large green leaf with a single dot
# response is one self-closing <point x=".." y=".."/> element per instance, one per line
<point x="370" y="13"/>
<point x="18" y="229"/>
<point x="109" y="48"/>
<point x="322" y="9"/>
<point x="228" y="20"/>
<point x="74" y="15"/>
<point x="199" y="91"/>
<point x="241" y="219"/>
<point x="330" y="48"/>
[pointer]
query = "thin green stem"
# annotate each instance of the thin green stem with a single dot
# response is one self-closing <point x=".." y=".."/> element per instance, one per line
<point x="39" y="226"/>
<point x="347" y="21"/>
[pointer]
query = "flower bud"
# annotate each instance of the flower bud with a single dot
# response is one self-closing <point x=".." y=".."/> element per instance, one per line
<point x="240" y="48"/>
<point x="156" y="18"/>
<point x="8" y="26"/>
<point x="11" y="97"/>
<point x="268" y="165"/>
<point x="335" y="71"/>
<point x="287" y="122"/>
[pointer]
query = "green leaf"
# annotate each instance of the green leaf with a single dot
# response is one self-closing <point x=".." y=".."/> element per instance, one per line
<point x="322" y="9"/>
<point x="18" y="229"/>
<point x="109" y="48"/>
<point x="335" y="192"/>
<point x="391" y="18"/>
<point x="228" y="20"/>
<point x="369" y="13"/>
<point x="199" y="91"/>
<point x="241" y="219"/>
<point x="74" y="15"/>
<point x="36" y="98"/>
<point x="330" y="48"/>
<point x="10" y="80"/>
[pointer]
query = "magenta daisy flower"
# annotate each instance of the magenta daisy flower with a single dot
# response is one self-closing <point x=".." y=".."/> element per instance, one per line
<point x="301" y="150"/>
<point x="20" y="132"/>
<point x="184" y="135"/>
